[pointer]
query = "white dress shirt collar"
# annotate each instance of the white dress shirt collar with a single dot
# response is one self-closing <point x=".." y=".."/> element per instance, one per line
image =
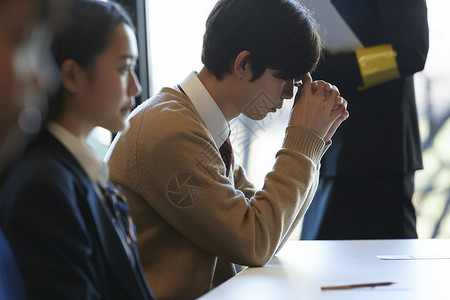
<point x="207" y="108"/>
<point x="96" y="169"/>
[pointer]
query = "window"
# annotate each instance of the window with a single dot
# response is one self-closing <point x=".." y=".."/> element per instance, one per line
<point x="432" y="197"/>
<point x="175" y="37"/>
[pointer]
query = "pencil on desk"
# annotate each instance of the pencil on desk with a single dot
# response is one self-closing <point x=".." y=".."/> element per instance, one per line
<point x="353" y="286"/>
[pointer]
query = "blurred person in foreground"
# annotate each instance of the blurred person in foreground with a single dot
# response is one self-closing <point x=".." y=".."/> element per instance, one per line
<point x="27" y="72"/>
<point x="25" y="28"/>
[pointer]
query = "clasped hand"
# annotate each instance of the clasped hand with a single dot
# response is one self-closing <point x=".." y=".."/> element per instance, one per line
<point x="318" y="107"/>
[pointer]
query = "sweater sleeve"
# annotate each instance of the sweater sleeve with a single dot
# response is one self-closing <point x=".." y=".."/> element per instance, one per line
<point x="168" y="158"/>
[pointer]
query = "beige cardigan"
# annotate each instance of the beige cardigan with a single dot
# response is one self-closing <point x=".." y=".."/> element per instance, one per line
<point x="192" y="221"/>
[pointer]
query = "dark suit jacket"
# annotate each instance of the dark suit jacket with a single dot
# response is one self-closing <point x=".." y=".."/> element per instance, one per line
<point x="62" y="233"/>
<point x="11" y="283"/>
<point x="381" y="136"/>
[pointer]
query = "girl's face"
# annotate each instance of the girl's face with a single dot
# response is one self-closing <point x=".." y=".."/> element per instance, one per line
<point x="110" y="85"/>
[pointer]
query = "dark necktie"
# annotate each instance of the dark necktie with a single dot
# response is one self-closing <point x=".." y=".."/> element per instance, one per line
<point x="227" y="154"/>
<point x="117" y="204"/>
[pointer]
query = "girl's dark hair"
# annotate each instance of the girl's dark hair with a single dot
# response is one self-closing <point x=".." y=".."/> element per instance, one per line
<point x="87" y="31"/>
<point x="84" y="35"/>
<point x="279" y="34"/>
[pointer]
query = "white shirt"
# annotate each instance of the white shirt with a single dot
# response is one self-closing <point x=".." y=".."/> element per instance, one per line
<point x="207" y="108"/>
<point x="96" y="169"/>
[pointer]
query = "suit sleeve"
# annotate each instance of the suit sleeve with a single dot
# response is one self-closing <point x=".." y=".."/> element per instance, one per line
<point x="403" y="24"/>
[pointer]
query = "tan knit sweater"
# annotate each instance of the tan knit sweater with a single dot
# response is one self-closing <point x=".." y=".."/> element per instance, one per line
<point x="192" y="221"/>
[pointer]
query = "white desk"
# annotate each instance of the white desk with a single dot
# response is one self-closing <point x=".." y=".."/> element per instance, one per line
<point x="301" y="268"/>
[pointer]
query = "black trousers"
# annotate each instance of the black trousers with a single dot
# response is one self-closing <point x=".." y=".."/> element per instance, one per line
<point x="361" y="208"/>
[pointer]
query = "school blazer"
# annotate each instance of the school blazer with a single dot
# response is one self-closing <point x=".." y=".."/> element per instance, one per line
<point x="11" y="283"/>
<point x="62" y="233"/>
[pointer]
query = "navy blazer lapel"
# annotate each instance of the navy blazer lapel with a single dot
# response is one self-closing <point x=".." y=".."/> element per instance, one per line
<point x="127" y="272"/>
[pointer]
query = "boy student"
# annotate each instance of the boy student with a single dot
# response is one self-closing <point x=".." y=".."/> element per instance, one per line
<point x="195" y="211"/>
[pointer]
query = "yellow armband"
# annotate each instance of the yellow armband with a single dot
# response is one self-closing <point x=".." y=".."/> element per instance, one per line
<point x="377" y="65"/>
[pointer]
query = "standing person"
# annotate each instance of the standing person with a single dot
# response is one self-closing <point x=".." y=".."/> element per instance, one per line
<point x="196" y="212"/>
<point x="367" y="179"/>
<point x="67" y="225"/>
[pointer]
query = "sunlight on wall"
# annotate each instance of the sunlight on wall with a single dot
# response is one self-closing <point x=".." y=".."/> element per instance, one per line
<point x="175" y="40"/>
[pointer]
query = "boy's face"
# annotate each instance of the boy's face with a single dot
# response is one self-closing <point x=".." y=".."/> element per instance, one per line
<point x="265" y="94"/>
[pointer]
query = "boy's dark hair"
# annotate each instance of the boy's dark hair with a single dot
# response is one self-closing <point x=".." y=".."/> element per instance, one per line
<point x="85" y="33"/>
<point x="279" y="34"/>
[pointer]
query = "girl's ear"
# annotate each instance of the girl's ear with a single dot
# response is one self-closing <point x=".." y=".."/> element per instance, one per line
<point x="70" y="75"/>
<point x="241" y="65"/>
